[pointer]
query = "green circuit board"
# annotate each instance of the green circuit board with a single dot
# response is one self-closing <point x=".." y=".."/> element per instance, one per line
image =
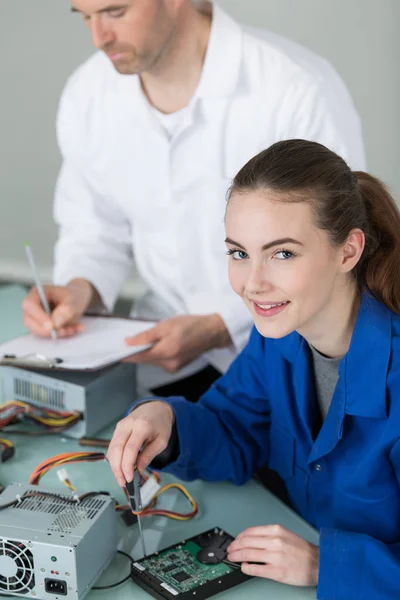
<point x="196" y="565"/>
<point x="181" y="570"/>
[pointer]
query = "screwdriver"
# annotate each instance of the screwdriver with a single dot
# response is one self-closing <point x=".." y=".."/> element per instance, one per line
<point x="135" y="498"/>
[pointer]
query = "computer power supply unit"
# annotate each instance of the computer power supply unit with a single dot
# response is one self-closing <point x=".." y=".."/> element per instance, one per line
<point x="102" y="396"/>
<point x="52" y="549"/>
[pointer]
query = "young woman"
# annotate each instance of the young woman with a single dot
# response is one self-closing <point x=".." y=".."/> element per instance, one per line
<point x="314" y="251"/>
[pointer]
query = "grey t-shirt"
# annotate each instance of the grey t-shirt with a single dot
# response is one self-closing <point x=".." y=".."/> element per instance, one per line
<point x="326" y="375"/>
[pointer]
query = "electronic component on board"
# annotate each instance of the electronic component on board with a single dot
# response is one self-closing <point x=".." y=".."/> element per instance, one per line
<point x="197" y="565"/>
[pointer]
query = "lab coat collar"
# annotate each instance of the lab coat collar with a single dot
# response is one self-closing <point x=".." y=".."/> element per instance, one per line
<point x="220" y="75"/>
<point x="221" y="70"/>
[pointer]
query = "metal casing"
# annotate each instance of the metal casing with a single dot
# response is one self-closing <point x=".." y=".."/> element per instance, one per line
<point x="102" y="396"/>
<point x="46" y="538"/>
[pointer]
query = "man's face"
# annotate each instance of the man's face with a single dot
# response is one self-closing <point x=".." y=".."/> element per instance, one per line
<point x="133" y="33"/>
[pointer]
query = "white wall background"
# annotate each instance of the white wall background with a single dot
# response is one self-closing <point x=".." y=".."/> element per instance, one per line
<point x="41" y="42"/>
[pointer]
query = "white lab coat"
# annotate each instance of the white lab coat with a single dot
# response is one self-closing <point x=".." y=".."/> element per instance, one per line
<point x="126" y="192"/>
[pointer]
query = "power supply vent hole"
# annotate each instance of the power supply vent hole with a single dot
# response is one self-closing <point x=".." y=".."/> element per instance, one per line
<point x="42" y="504"/>
<point x="42" y="394"/>
<point x="67" y="517"/>
<point x="71" y="517"/>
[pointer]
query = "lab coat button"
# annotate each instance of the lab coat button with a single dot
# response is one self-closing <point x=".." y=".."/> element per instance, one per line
<point x="318" y="467"/>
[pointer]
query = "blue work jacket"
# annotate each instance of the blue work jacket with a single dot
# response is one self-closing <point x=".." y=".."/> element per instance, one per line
<point x="343" y="477"/>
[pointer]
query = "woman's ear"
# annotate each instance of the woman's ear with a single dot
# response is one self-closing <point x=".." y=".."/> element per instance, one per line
<point x="352" y="249"/>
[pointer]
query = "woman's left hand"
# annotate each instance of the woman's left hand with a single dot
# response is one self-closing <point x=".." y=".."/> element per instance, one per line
<point x="285" y="557"/>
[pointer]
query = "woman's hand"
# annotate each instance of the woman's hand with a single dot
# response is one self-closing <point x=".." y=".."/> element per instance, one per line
<point x="148" y="425"/>
<point x="284" y="556"/>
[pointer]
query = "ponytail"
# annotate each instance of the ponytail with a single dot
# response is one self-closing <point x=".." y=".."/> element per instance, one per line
<point x="379" y="270"/>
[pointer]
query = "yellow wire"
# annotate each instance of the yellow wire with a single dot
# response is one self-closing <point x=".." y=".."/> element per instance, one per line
<point x="169" y="486"/>
<point x="55" y="422"/>
<point x="6" y="442"/>
<point x="61" y="462"/>
<point x="162" y="489"/>
<point x="49" y="421"/>
<point x="14" y="403"/>
<point x="69" y="485"/>
<point x="180" y="487"/>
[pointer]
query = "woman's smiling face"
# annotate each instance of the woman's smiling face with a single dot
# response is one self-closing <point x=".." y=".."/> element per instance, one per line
<point x="281" y="264"/>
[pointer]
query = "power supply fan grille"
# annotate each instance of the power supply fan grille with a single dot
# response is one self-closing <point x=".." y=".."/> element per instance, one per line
<point x="42" y="394"/>
<point x="16" y="567"/>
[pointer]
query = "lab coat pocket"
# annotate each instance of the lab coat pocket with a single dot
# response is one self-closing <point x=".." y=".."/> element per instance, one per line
<point x="281" y="451"/>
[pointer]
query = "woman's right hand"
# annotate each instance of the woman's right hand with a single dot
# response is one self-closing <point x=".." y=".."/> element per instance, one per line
<point x="67" y="305"/>
<point x="138" y="438"/>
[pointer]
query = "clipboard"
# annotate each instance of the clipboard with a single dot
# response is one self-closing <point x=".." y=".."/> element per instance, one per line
<point x="100" y="345"/>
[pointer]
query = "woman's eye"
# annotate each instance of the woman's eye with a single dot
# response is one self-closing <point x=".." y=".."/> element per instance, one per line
<point x="283" y="254"/>
<point x="237" y="254"/>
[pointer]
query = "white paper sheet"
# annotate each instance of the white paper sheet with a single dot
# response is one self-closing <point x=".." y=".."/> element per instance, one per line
<point x="101" y="343"/>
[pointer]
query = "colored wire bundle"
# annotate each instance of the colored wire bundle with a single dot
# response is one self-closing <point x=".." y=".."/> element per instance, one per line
<point x="7" y="450"/>
<point x="33" y="494"/>
<point x="74" y="457"/>
<point x="63" y="459"/>
<point x="85" y="441"/>
<point x="54" y="421"/>
<point x="150" y="510"/>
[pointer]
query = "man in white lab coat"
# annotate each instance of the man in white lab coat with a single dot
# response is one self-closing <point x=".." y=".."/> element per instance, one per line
<point x="152" y="128"/>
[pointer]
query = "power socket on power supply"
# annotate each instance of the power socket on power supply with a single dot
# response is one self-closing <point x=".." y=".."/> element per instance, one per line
<point x="102" y="396"/>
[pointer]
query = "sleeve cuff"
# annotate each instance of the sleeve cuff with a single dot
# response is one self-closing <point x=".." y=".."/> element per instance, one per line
<point x="108" y="293"/>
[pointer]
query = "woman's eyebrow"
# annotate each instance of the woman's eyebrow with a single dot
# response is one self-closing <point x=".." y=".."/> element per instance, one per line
<point x="278" y="242"/>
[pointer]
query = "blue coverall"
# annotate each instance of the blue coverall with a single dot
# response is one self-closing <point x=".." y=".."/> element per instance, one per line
<point x="343" y="477"/>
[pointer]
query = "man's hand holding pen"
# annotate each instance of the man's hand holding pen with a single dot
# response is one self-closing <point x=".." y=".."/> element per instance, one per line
<point x="67" y="303"/>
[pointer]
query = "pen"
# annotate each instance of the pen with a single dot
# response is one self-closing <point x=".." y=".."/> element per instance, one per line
<point x="39" y="286"/>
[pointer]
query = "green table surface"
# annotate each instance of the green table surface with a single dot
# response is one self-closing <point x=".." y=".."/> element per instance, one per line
<point x="220" y="504"/>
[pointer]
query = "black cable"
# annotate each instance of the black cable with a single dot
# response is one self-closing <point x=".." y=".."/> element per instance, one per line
<point x="101" y="587"/>
<point x="113" y="585"/>
<point x="34" y="494"/>
<point x="83" y="497"/>
<point x="84" y="441"/>
<point x="13" y="503"/>
<point x="34" y="433"/>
